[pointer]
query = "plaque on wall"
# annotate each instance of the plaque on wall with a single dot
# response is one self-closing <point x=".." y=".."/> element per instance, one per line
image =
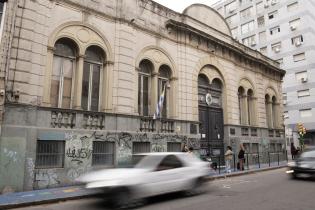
<point x="216" y="152"/>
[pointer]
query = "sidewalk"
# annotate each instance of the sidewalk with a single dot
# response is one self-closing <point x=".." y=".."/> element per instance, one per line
<point x="29" y="198"/>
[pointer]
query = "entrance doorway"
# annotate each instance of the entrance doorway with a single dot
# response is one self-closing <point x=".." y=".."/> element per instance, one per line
<point x="210" y="117"/>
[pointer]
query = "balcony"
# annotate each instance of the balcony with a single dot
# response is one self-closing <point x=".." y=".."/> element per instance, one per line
<point x="148" y="124"/>
<point x="63" y="119"/>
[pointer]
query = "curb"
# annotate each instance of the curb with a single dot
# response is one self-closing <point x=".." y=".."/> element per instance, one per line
<point x="76" y="197"/>
<point x="244" y="173"/>
<point x="50" y="201"/>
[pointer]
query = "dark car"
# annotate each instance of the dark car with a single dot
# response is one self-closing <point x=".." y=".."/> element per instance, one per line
<point x="303" y="166"/>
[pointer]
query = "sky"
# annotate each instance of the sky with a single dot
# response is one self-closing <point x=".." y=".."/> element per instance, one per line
<point x="180" y="5"/>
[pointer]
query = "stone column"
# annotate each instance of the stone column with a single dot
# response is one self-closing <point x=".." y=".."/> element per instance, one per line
<point x="48" y="74"/>
<point x="107" y="87"/>
<point x="269" y="114"/>
<point x="78" y="83"/>
<point x="244" y="110"/>
<point x="172" y="98"/>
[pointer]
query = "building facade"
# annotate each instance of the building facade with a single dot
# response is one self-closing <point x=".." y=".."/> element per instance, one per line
<point x="282" y="30"/>
<point x="84" y="79"/>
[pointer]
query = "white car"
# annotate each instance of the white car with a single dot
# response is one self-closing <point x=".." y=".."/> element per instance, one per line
<point x="154" y="174"/>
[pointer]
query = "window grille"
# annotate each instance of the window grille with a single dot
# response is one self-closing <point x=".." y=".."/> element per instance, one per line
<point x="272" y="147"/>
<point x="103" y="153"/>
<point x="253" y="132"/>
<point x="173" y="147"/>
<point x="50" y="154"/>
<point x="255" y="148"/>
<point x="244" y="131"/>
<point x="141" y="147"/>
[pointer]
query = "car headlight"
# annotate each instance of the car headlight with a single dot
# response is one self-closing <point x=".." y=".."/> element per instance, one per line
<point x="291" y="164"/>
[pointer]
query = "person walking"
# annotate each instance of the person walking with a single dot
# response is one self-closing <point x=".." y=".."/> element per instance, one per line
<point x="293" y="151"/>
<point x="241" y="157"/>
<point x="185" y="148"/>
<point x="228" y="159"/>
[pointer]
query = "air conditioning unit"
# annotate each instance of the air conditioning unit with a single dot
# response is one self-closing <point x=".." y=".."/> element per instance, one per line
<point x="231" y="10"/>
<point x="253" y="43"/>
<point x="266" y="5"/>
<point x="277" y="50"/>
<point x="293" y="27"/>
<point x="284" y="102"/>
<point x="303" y="79"/>
<point x="273" y="2"/>
<point x="298" y="43"/>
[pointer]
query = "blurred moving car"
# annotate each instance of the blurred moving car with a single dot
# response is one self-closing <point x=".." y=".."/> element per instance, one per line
<point x="154" y="174"/>
<point x="303" y="166"/>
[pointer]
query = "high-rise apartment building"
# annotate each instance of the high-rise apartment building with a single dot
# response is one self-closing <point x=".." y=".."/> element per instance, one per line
<point x="283" y="30"/>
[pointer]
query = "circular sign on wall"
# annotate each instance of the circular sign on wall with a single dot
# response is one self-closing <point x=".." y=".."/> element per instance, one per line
<point x="208" y="99"/>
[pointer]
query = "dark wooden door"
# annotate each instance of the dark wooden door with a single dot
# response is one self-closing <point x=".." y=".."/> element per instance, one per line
<point x="211" y="130"/>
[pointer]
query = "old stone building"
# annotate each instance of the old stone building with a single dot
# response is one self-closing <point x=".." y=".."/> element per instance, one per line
<point x="83" y="80"/>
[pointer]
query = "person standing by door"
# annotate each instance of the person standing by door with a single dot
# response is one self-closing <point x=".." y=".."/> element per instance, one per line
<point x="228" y="159"/>
<point x="241" y="157"/>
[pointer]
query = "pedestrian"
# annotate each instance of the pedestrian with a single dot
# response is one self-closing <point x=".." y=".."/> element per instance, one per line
<point x="185" y="148"/>
<point x="241" y="157"/>
<point x="293" y="151"/>
<point x="228" y="159"/>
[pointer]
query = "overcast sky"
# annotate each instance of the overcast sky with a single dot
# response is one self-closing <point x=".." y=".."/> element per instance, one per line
<point x="180" y="5"/>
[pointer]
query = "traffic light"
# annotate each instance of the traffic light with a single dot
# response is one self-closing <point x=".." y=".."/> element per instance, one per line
<point x="301" y="129"/>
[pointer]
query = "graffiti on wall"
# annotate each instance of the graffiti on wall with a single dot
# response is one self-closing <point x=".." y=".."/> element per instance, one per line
<point x="79" y="153"/>
<point x="46" y="178"/>
<point x="30" y="171"/>
<point x="11" y="157"/>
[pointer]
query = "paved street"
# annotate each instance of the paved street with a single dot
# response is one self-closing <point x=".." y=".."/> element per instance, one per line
<point x="271" y="190"/>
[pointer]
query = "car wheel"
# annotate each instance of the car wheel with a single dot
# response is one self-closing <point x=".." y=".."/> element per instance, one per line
<point x="294" y="176"/>
<point x="197" y="187"/>
<point x="121" y="198"/>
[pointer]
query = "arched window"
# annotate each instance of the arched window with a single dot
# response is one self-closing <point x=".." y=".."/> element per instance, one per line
<point x="62" y="74"/>
<point x="274" y="112"/>
<point x="250" y="104"/>
<point x="144" y="78"/>
<point x="93" y="64"/>
<point x="216" y="92"/>
<point x="163" y="84"/>
<point x="268" y="111"/>
<point x="203" y="81"/>
<point x="241" y="93"/>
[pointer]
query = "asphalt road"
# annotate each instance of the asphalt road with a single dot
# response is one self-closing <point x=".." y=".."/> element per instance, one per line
<point x="270" y="190"/>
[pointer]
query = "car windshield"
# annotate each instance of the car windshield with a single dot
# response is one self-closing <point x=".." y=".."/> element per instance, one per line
<point x="148" y="161"/>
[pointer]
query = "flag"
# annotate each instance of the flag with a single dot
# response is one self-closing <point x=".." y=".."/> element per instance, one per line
<point x="159" y="106"/>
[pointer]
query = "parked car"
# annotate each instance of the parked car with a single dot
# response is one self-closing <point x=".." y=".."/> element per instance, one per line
<point x="154" y="174"/>
<point x="303" y="166"/>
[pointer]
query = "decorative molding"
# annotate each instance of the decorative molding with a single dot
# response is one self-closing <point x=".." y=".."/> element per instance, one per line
<point x="109" y="63"/>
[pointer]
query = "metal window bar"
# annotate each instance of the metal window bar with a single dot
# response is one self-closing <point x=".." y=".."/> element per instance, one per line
<point x="141" y="147"/>
<point x="103" y="153"/>
<point x="173" y="147"/>
<point x="50" y="154"/>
